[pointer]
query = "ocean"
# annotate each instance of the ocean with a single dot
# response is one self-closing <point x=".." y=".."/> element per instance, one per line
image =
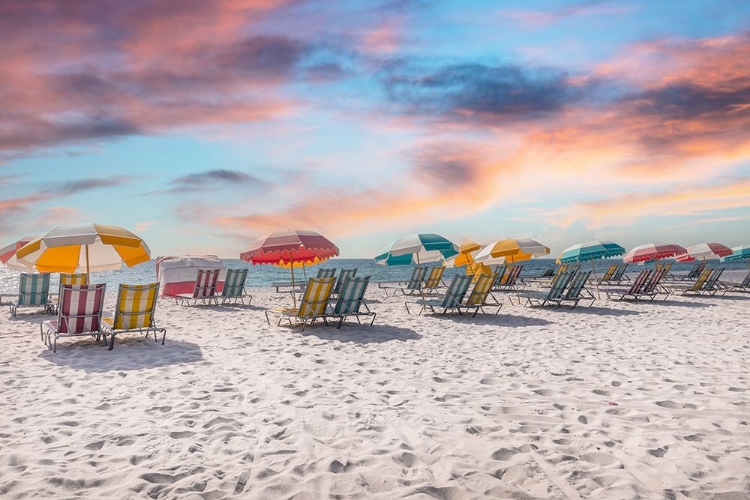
<point x="264" y="275"/>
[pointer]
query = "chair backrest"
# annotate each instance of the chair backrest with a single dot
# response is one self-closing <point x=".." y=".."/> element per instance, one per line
<point x="351" y="295"/>
<point x="72" y="279"/>
<point x="456" y="291"/>
<point x="513" y="276"/>
<point x="745" y="282"/>
<point x="550" y="271"/>
<point x="639" y="282"/>
<point x="135" y="306"/>
<point x="33" y="289"/>
<point x="316" y="296"/>
<point x="499" y="274"/>
<point x="80" y="308"/>
<point x="696" y="270"/>
<point x="417" y="276"/>
<point x="576" y="285"/>
<point x="481" y="290"/>
<point x="654" y="280"/>
<point x="343" y="276"/>
<point x="620" y="272"/>
<point x="433" y="280"/>
<point x="700" y="281"/>
<point x="711" y="281"/>
<point x="234" y="283"/>
<point x="609" y="272"/>
<point x="205" y="283"/>
<point x="559" y="285"/>
<point x="327" y="273"/>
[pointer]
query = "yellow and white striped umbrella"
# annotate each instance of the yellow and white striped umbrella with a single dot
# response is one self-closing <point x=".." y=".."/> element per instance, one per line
<point x="84" y="248"/>
<point x="513" y="250"/>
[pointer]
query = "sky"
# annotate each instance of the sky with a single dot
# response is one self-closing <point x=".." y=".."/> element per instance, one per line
<point x="204" y="124"/>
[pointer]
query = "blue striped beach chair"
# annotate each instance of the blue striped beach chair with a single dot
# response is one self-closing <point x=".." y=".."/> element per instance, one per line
<point x="33" y="291"/>
<point x="743" y="286"/>
<point x="452" y="299"/>
<point x="351" y="300"/>
<point x="577" y="290"/>
<point x="312" y="307"/>
<point x="234" y="287"/>
<point x="414" y="285"/>
<point x="344" y="275"/>
<point x="134" y="312"/>
<point x="327" y="273"/>
<point x="553" y="296"/>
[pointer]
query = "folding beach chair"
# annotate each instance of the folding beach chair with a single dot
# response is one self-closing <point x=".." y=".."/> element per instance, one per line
<point x="634" y="290"/>
<point x="620" y="275"/>
<point x="695" y="287"/>
<point x="204" y="290"/>
<point x="510" y="281"/>
<point x="79" y="314"/>
<point x="312" y="306"/>
<point x="134" y="312"/>
<point x="577" y="290"/>
<point x="344" y="275"/>
<point x="498" y="274"/>
<point x="480" y="295"/>
<point x="33" y="291"/>
<point x="451" y="300"/>
<point x="711" y="285"/>
<point x="553" y="296"/>
<point x="67" y="279"/>
<point x="743" y="286"/>
<point x="434" y="279"/>
<point x="234" y="287"/>
<point x="608" y="274"/>
<point x="694" y="272"/>
<point x="414" y="285"/>
<point x="327" y="273"/>
<point x="351" y="300"/>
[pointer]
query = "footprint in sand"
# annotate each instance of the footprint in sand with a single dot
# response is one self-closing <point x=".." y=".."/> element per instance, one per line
<point x="181" y="434"/>
<point x="97" y="445"/>
<point x="658" y="452"/>
<point x="600" y="458"/>
<point x="671" y="405"/>
<point x="406" y="459"/>
<point x="504" y="454"/>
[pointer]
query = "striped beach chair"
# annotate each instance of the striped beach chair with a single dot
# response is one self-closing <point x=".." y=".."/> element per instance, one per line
<point x="79" y="314"/>
<point x="327" y="273"/>
<point x="451" y="301"/>
<point x="312" y="306"/>
<point x="204" y="290"/>
<point x="434" y="279"/>
<point x="553" y="296"/>
<point x="351" y="300"/>
<point x="577" y="290"/>
<point x="634" y="290"/>
<point x="134" y="312"/>
<point x="67" y="279"/>
<point x="344" y="275"/>
<point x="414" y="285"/>
<point x="479" y="297"/>
<point x="33" y="291"/>
<point x="743" y="286"/>
<point x="234" y="287"/>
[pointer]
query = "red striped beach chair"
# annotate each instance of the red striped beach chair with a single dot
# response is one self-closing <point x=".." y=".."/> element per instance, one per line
<point x="79" y="314"/>
<point x="134" y="312"/>
<point x="204" y="290"/>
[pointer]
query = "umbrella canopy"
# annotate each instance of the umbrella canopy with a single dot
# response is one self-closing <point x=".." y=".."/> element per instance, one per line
<point x="84" y="247"/>
<point x="704" y="251"/>
<point x="590" y="250"/>
<point x="290" y="247"/>
<point x="739" y="253"/>
<point x="652" y="251"/>
<point x="418" y="248"/>
<point x="513" y="250"/>
<point x="8" y="255"/>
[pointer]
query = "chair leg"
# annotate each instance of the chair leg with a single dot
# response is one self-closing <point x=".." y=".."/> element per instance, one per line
<point x="164" y="336"/>
<point x="111" y="341"/>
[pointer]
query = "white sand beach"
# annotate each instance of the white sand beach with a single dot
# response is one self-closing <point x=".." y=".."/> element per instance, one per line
<point x="618" y="401"/>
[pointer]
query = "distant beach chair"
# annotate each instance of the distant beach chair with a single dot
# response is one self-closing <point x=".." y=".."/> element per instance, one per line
<point x="312" y="306"/>
<point x="79" y="314"/>
<point x="67" y="279"/>
<point x="480" y="295"/>
<point x="652" y="287"/>
<point x="434" y="280"/>
<point x="577" y="290"/>
<point x="635" y="287"/>
<point x="620" y="275"/>
<point x="608" y="274"/>
<point x="451" y="300"/>
<point x="414" y="285"/>
<point x="498" y="274"/>
<point x="712" y="285"/>
<point x="694" y="272"/>
<point x="351" y="300"/>
<point x="510" y="282"/>
<point x="134" y="312"/>
<point x="695" y="287"/>
<point x="344" y="275"/>
<point x="33" y="291"/>
<point x="204" y="290"/>
<point x="553" y="296"/>
<point x="234" y="287"/>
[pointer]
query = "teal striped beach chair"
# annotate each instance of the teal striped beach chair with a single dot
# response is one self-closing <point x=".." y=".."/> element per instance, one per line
<point x="451" y="301"/>
<point x="33" y="291"/>
<point x="234" y="287"/>
<point x="351" y="300"/>
<point x="577" y="290"/>
<point x="414" y="285"/>
<point x="344" y="275"/>
<point x="743" y="286"/>
<point x="553" y="296"/>
<point x="480" y="296"/>
<point x="327" y="273"/>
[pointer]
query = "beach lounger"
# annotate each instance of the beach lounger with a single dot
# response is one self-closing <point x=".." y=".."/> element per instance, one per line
<point x="710" y="285"/>
<point x="634" y="290"/>
<point x="344" y="275"/>
<point x="327" y="273"/>
<point x="414" y="285"/>
<point x="694" y="272"/>
<point x="743" y="286"/>
<point x="652" y="287"/>
<point x="79" y="314"/>
<point x="620" y="275"/>
<point x="351" y="300"/>
<point x="434" y="280"/>
<point x="608" y="274"/>
<point x="134" y="312"/>
<point x="451" y="300"/>
<point x="33" y="291"/>
<point x="204" y="290"/>
<point x="510" y="282"/>
<point x="67" y="279"/>
<point x="552" y="296"/>
<point x="312" y="306"/>
<point x="234" y="287"/>
<point x="577" y="290"/>
<point x="695" y="287"/>
<point x="480" y="295"/>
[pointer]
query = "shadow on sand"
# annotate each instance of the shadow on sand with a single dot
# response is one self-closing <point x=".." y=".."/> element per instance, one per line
<point x="361" y="334"/>
<point x="131" y="352"/>
<point x="500" y="320"/>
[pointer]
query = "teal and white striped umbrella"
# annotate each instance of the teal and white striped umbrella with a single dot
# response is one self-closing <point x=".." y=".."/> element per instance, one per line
<point x="417" y="248"/>
<point x="739" y="253"/>
<point x="590" y="250"/>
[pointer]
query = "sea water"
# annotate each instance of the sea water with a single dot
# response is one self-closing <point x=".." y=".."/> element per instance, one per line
<point x="265" y="275"/>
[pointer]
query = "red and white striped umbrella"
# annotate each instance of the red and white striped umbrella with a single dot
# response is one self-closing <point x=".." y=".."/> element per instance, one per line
<point x="8" y="255"/>
<point x="704" y="251"/>
<point x="652" y="251"/>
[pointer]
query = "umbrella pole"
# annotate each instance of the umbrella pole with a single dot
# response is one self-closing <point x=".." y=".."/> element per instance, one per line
<point x="291" y="267"/>
<point x="304" y="270"/>
<point x="88" y="277"/>
<point x="596" y="282"/>
<point x="421" y="288"/>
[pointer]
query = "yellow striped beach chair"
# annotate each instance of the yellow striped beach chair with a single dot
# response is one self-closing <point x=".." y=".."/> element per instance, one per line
<point x="134" y="312"/>
<point x="478" y="298"/>
<point x="312" y="306"/>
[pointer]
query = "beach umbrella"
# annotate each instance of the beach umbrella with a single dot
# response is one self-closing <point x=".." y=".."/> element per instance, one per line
<point x="465" y="257"/>
<point x="8" y="255"/>
<point x="741" y="252"/>
<point x="417" y="248"/>
<point x="84" y="247"/>
<point x="704" y="251"/>
<point x="590" y="250"/>
<point x="652" y="251"/>
<point x="291" y="249"/>
<point x="513" y="250"/>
